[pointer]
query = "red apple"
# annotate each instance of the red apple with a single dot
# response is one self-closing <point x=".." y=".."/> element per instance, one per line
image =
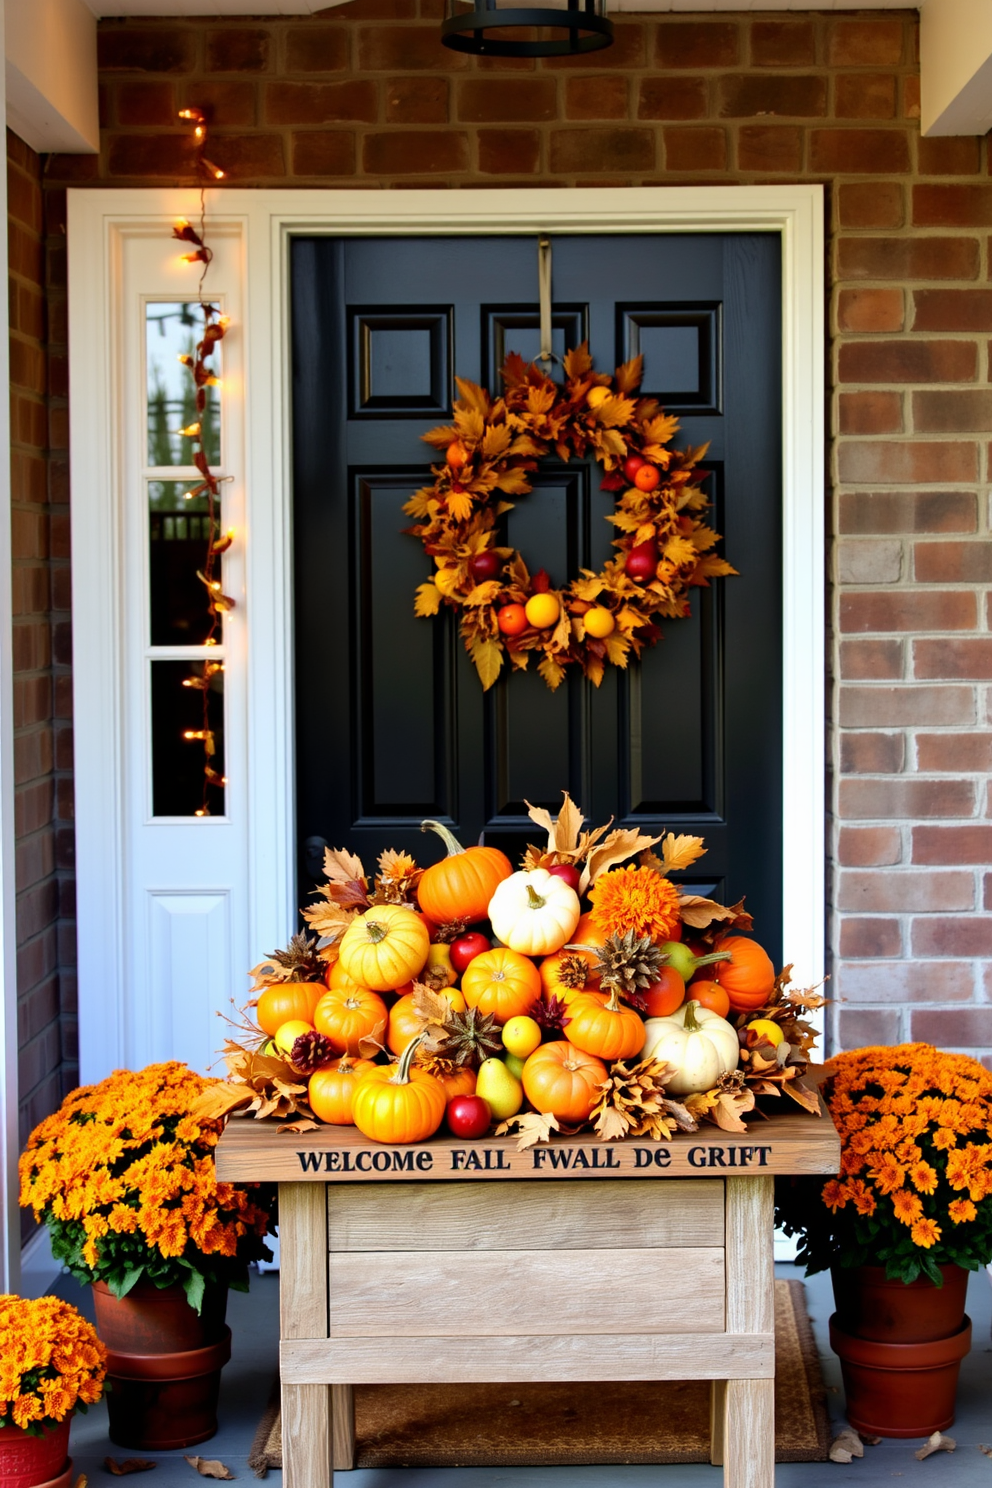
<point x="468" y="1116"/>
<point x="632" y="465"/>
<point x="485" y="565"/>
<point x="641" y="562"/>
<point x="466" y="948"/>
<point x="647" y="477"/>
<point x="570" y="875"/>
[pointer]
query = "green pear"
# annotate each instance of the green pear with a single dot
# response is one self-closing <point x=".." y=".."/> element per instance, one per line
<point x="515" y="1065"/>
<point x="499" y="1088"/>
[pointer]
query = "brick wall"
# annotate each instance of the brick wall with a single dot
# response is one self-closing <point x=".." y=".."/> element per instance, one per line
<point x="366" y="96"/>
<point x="42" y="751"/>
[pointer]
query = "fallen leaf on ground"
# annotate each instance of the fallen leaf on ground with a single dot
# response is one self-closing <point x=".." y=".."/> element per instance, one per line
<point x="846" y="1446"/>
<point x="986" y="1450"/>
<point x="81" y="1482"/>
<point x="210" y="1467"/>
<point x="937" y="1443"/>
<point x="129" y="1465"/>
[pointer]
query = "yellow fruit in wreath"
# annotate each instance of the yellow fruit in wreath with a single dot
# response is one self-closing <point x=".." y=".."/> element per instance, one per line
<point x="289" y="1032"/>
<point x="542" y="610"/>
<point x="599" y="622"/>
<point x="768" y="1030"/>
<point x="596" y="396"/>
<point x="521" y="1036"/>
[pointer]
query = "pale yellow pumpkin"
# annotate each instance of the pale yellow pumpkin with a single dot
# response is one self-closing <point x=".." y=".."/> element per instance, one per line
<point x="384" y="947"/>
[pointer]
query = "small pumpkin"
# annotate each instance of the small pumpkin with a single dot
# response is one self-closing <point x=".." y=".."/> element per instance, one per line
<point x="748" y="978"/>
<point x="561" y="1080"/>
<point x="607" y="1029"/>
<point x="462" y="884"/>
<point x="501" y="982"/>
<point x="336" y="976"/>
<point x="384" y="947"/>
<point x="405" y="1022"/>
<point x="399" y="1103"/>
<point x="699" y="1045"/>
<point x="457" y="1081"/>
<point x="566" y="973"/>
<point x="332" y="1089"/>
<point x="534" y="912"/>
<point x="347" y="1014"/>
<point x="287" y="1002"/>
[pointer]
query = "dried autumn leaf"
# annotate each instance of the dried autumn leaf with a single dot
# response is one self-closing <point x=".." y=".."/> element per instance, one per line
<point x="434" y="1012"/>
<point x="938" y="1443"/>
<point x="621" y="844"/>
<point x="129" y="1465"/>
<point x="342" y="866"/>
<point x="81" y="1482"/>
<point x="679" y="853"/>
<point x="698" y="912"/>
<point x="729" y="1107"/>
<point x="370" y="1044"/>
<point x="487" y="657"/>
<point x="211" y="1467"/>
<point x="427" y="600"/>
<point x="330" y="921"/>
<point x="552" y="672"/>
<point x="845" y="1447"/>
<point x="303" y="1125"/>
<point x="530" y="1128"/>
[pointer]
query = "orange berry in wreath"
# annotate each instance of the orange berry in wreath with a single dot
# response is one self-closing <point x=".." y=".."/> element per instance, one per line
<point x="512" y="619"/>
<point x="647" y="478"/>
<point x="542" y="610"/>
<point x="599" y="622"/>
<point x="456" y="455"/>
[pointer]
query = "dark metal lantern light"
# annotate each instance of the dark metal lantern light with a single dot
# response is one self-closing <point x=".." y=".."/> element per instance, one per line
<point x="480" y="26"/>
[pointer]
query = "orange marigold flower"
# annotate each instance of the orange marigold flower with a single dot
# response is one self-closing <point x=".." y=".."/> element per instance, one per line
<point x="636" y="899"/>
<point x="835" y="1194"/>
<point x="925" y="1233"/>
<point x="923" y="1177"/>
<point x="961" y="1211"/>
<point x="888" y="1175"/>
<point x="908" y="1206"/>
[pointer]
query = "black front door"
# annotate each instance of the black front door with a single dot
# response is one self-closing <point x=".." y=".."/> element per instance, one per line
<point x="392" y="724"/>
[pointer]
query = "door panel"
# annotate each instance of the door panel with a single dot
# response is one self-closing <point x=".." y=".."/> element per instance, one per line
<point x="392" y="725"/>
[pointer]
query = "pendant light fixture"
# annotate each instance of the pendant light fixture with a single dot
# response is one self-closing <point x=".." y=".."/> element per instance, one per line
<point x="507" y="28"/>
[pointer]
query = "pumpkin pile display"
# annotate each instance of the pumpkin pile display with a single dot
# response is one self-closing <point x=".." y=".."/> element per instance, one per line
<point x="582" y="988"/>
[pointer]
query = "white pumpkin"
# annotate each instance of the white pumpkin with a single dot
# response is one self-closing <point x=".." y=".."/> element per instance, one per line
<point x="534" y="913"/>
<point x="699" y="1044"/>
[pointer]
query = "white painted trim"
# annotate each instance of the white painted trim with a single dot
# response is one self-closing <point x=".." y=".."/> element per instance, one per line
<point x="98" y="220"/>
<point x="52" y="94"/>
<point x="955" y="67"/>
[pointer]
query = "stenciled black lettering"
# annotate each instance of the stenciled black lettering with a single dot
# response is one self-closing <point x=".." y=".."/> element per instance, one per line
<point x="310" y="1161"/>
<point x="403" y="1162"/>
<point x="716" y="1158"/>
<point x="425" y="1161"/>
<point x="696" y="1157"/>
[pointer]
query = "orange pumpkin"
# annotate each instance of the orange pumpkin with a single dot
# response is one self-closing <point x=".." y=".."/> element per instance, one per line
<point x="347" y="1014"/>
<point x="461" y="1081"/>
<point x="384" y="947"/>
<point x="336" y="976"/>
<point x="332" y="1089"/>
<point x="399" y="1102"/>
<point x="404" y="1024"/>
<point x="550" y="969"/>
<point x="585" y="932"/>
<point x="666" y="994"/>
<point x="462" y="884"/>
<point x="561" y="1080"/>
<point x="709" y="995"/>
<point x="609" y="1030"/>
<point x="287" y="1002"/>
<point x="501" y="982"/>
<point x="748" y="978"/>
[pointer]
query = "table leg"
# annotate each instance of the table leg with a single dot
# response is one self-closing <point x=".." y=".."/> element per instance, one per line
<point x="749" y="1442"/>
<point x="306" y="1436"/>
<point x="306" y="1409"/>
<point x="343" y="1422"/>
<point x="749" y="1415"/>
<point x="718" y="1407"/>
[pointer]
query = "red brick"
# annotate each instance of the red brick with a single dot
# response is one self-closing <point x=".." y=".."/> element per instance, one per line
<point x="870" y="413"/>
<point x="865" y="43"/>
<point x="782" y="44"/>
<point x="864" y="562"/>
<point x="907" y="609"/>
<point x="895" y="707"/>
<point x="627" y="52"/>
<point x="911" y="96"/>
<point x="155" y="156"/>
<point x="238" y="49"/>
<point x="954" y="562"/>
<point x="870" y="661"/>
<point x="872" y="754"/>
<point x="575" y="151"/>
<point x="406" y="49"/>
<point x="225" y="104"/>
<point x="859" y="1028"/>
<point x="859" y="151"/>
<point x="905" y="462"/>
<point x="952" y="412"/>
<point x="961" y="1028"/>
<point x="672" y="98"/>
<point x="509" y="151"/>
<point x="695" y="149"/>
<point x="874" y="204"/>
<point x="987" y="892"/>
<point x="33" y="807"/>
<point x="146" y="103"/>
<point x="698" y="44"/>
<point x="506" y="100"/>
<point x="415" y="100"/>
<point x="316" y="48"/>
<point x="953" y="845"/>
<point x="908" y="361"/>
<point x="320" y="103"/>
<point x="955" y="660"/>
<point x="907" y="981"/>
<point x="870" y="310"/>
<point x="952" y="206"/>
<point x="865" y="95"/>
<point x="247" y="156"/>
<point x="908" y="258"/>
<point x="415" y="151"/>
<point x="908" y="511"/>
<point x="868" y="847"/>
<point x="868" y="892"/>
<point x="951" y="155"/>
<point x="602" y="97"/>
<point x="863" y="938"/>
<point x="133" y="48"/>
<point x="954" y="753"/>
<point x="900" y="798"/>
<point x="749" y="95"/>
<point x="324" y="152"/>
<point x="769" y="149"/>
<point x="952" y="310"/>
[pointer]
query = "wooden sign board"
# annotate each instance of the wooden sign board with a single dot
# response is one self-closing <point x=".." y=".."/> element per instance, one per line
<point x="792" y="1143"/>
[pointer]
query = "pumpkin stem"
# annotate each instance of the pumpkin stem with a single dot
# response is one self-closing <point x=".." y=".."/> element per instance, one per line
<point x="534" y="900"/>
<point x="716" y="956"/>
<point x="689" y="1020"/>
<point x="613" y="1005"/>
<point x="402" y="1075"/>
<point x="375" y="931"/>
<point x="448" y="838"/>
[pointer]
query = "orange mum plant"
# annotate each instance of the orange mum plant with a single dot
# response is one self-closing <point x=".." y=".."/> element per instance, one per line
<point x="915" y="1186"/>
<point x="123" y="1175"/>
<point x="52" y="1363"/>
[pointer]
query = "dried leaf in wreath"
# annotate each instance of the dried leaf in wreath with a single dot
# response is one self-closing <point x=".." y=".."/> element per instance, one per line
<point x="621" y="844"/>
<point x="530" y="1128"/>
<point x="698" y="912"/>
<point x="679" y="853"/>
<point x="632" y="1102"/>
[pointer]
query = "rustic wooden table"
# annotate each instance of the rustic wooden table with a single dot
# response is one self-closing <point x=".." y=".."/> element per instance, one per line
<point x="441" y="1262"/>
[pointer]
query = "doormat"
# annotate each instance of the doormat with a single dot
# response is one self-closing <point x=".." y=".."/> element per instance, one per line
<point x="574" y="1424"/>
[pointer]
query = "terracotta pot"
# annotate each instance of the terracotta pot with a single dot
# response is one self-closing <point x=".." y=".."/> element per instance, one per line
<point x="870" y="1306"/>
<point x="64" y="1479"/>
<point x="900" y="1389"/>
<point x="164" y="1364"/>
<point x="31" y="1461"/>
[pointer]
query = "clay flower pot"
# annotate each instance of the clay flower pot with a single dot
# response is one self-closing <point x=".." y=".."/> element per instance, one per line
<point x="164" y="1362"/>
<point x="900" y="1347"/>
<point x="34" y="1461"/>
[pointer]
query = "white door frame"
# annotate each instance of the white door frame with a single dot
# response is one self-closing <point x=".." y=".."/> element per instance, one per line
<point x="100" y="223"/>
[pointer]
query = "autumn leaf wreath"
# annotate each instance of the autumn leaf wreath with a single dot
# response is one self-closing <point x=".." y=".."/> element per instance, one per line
<point x="664" y="547"/>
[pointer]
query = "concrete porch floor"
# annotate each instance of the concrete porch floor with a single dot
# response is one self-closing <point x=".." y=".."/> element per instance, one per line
<point x="248" y="1378"/>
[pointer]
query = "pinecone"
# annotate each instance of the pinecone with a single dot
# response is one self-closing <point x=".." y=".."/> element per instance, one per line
<point x="573" y="972"/>
<point x="629" y="962"/>
<point x="310" y="1052"/>
<point x="551" y="1013"/>
<point x="472" y="1037"/>
<point x="300" y="957"/>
